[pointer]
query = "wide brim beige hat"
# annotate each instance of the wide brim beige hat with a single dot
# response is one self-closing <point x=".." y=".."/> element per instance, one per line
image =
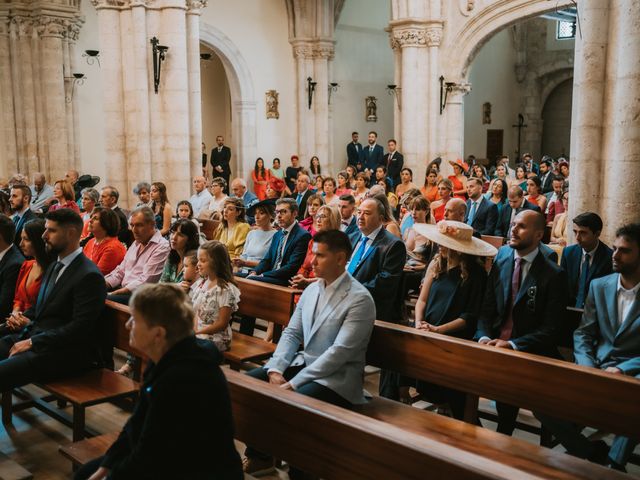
<point x="456" y="236"/>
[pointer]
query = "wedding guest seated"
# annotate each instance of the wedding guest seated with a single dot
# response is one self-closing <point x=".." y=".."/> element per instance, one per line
<point x="182" y="425"/>
<point x="314" y="202"/>
<point x="276" y="189"/>
<point x="343" y="184"/>
<point x="233" y="228"/>
<point x="459" y="179"/>
<point x="348" y="220"/>
<point x="388" y="220"/>
<point x="11" y="260"/>
<point x="481" y="214"/>
<point x="333" y="321"/>
<point x="608" y="338"/>
<point x="559" y="225"/>
<point x="258" y="239"/>
<point x="239" y="189"/>
<point x="65" y="197"/>
<point x="497" y="195"/>
<point x="418" y="246"/>
<point x="184" y="211"/>
<point x="41" y="193"/>
<point x="554" y="204"/>
<point x="445" y="189"/>
<point x="109" y="199"/>
<point x="534" y="193"/>
<point x="588" y="259"/>
<point x="329" y="192"/>
<point x="216" y="204"/>
<point x="406" y="182"/>
<point x="201" y="198"/>
<point x="161" y="208"/>
<point x="385" y="187"/>
<point x="525" y="300"/>
<point x="430" y="188"/>
<point x="515" y="204"/>
<point x="215" y="295"/>
<point x="103" y="248"/>
<point x="406" y="220"/>
<point x="183" y="238"/>
<point x="143" y="191"/>
<point x="361" y="190"/>
<point x="143" y="261"/>
<point x="478" y="171"/>
<point x="89" y="198"/>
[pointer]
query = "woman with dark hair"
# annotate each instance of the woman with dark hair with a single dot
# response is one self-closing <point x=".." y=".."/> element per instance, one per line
<point x="233" y="229"/>
<point x="65" y="195"/>
<point x="329" y="191"/>
<point x="534" y="191"/>
<point x="183" y="237"/>
<point x="521" y="178"/>
<point x="314" y="168"/>
<point x="430" y="188"/>
<point x="184" y="211"/>
<point x="218" y="185"/>
<point x="292" y="173"/>
<point x="259" y="238"/>
<point x="480" y="173"/>
<point x="276" y="170"/>
<point x="260" y="176"/>
<point x="406" y="182"/>
<point x="459" y="179"/>
<point x="161" y="207"/>
<point x="361" y="190"/>
<point x="314" y="202"/>
<point x="103" y="248"/>
<point x="351" y="176"/>
<point x="343" y="187"/>
<point x="498" y="194"/>
<point x="30" y="275"/>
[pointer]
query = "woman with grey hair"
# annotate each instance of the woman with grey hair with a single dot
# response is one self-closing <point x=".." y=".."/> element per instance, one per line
<point x="90" y="197"/>
<point x="143" y="191"/>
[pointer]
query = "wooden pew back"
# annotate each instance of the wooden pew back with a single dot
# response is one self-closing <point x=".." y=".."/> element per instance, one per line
<point x="269" y="302"/>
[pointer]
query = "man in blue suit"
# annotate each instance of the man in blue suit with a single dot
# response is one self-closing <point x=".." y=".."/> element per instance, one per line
<point x="608" y="338"/>
<point x="525" y="301"/>
<point x="239" y="190"/>
<point x="348" y="220"/>
<point x="372" y="155"/>
<point x="482" y="214"/>
<point x="516" y="204"/>
<point x="377" y="262"/>
<point x="20" y="201"/>
<point x="587" y="260"/>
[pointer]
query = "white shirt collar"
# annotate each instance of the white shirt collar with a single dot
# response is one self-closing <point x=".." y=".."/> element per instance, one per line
<point x="592" y="252"/>
<point x="66" y="261"/>
<point x="290" y="227"/>
<point x="329" y="289"/>
<point x="477" y="201"/>
<point x="529" y="257"/>
<point x="632" y="291"/>
<point x="3" y="253"/>
<point x="374" y="234"/>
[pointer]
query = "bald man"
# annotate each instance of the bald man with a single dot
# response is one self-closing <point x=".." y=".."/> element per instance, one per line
<point x="455" y="209"/>
<point x="201" y="198"/>
<point x="525" y="300"/>
<point x="516" y="204"/>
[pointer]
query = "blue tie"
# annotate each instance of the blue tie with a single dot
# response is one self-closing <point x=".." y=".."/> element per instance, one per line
<point x="582" y="282"/>
<point x="299" y="199"/>
<point x="47" y="286"/>
<point x="16" y="219"/>
<point x="355" y="260"/>
<point x="472" y="213"/>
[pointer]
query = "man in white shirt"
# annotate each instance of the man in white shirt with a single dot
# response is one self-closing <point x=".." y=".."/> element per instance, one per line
<point x="41" y="193"/>
<point x="200" y="200"/>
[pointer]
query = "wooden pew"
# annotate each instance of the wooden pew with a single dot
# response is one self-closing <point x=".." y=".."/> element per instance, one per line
<point x="91" y="388"/>
<point x="583" y="395"/>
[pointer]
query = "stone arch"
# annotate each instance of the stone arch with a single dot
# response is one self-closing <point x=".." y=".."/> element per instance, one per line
<point x="241" y="87"/>
<point x="551" y="81"/>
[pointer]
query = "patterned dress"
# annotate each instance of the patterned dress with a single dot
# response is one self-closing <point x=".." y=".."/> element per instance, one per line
<point x="207" y="303"/>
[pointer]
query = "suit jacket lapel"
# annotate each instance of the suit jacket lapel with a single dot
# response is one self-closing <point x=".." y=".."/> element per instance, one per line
<point x="529" y="280"/>
<point x="58" y="285"/>
<point x="632" y="316"/>
<point x="611" y="299"/>
<point x="321" y="316"/>
<point x="307" y="315"/>
<point x="371" y="249"/>
<point x="290" y="241"/>
<point x="599" y="259"/>
<point x="506" y="272"/>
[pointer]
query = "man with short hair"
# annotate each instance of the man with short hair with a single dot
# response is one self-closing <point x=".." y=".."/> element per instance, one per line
<point x="554" y="198"/>
<point x="587" y="260"/>
<point x="20" y="200"/>
<point x="354" y="152"/>
<point x="608" y="338"/>
<point x="529" y="165"/>
<point x="109" y="199"/>
<point x="201" y="198"/>
<point x="516" y="203"/>
<point x="394" y="161"/>
<point x="372" y="154"/>
<point x="221" y="161"/>
<point x="455" y="209"/>
<point x="239" y="190"/>
<point x="481" y="213"/>
<point x="41" y="193"/>
<point x="11" y="259"/>
<point x="525" y="300"/>
<point x="301" y="194"/>
<point x="546" y="175"/>
<point x="58" y="336"/>
<point x="348" y="221"/>
<point x="144" y="260"/>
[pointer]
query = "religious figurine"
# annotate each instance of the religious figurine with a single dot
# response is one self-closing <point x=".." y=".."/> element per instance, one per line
<point x="486" y="113"/>
<point x="271" y="100"/>
<point x="371" y="108"/>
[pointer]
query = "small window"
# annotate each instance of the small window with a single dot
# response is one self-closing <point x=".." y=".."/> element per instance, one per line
<point x="566" y="30"/>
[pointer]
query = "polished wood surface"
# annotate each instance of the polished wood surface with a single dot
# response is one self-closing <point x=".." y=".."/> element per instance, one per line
<point x="269" y="302"/>
<point x="208" y="227"/>
<point x="586" y="396"/>
<point x="86" y="450"/>
<point x="93" y="387"/>
<point x="248" y="349"/>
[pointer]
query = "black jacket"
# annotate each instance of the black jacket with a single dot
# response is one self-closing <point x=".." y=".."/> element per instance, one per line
<point x="601" y="266"/>
<point x="394" y="165"/>
<point x="221" y="159"/>
<point x="504" y="222"/>
<point x="26" y="217"/>
<point x="182" y="426"/>
<point x="354" y="155"/>
<point x="9" y="270"/>
<point x="485" y="219"/>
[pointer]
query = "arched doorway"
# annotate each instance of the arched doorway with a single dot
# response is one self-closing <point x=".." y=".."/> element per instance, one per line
<point x="556" y="117"/>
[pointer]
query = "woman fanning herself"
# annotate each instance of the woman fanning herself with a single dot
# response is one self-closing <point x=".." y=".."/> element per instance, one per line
<point x="215" y="296"/>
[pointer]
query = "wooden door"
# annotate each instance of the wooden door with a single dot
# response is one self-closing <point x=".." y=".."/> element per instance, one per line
<point x="494" y="145"/>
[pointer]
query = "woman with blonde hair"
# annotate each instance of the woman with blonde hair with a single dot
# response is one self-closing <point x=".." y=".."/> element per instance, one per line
<point x="65" y="195"/>
<point x="233" y="229"/>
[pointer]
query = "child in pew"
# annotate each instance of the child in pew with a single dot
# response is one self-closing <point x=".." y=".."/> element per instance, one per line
<point x="189" y="270"/>
<point x="215" y="296"/>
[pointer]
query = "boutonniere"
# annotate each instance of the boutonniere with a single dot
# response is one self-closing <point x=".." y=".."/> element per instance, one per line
<point x="531" y="297"/>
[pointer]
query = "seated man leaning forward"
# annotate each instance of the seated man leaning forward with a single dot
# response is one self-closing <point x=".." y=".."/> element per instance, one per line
<point x="57" y="336"/>
<point x="181" y="427"/>
<point x="333" y="322"/>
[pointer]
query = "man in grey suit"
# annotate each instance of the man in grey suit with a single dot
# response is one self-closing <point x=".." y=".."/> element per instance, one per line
<point x="608" y="338"/>
<point x="333" y="322"/>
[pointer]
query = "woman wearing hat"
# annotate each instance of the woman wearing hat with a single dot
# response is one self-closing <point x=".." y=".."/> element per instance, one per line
<point x="276" y="188"/>
<point x="452" y="292"/>
<point x="458" y="179"/>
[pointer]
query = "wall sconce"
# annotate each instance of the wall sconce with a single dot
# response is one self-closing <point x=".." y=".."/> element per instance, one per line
<point x="159" y="52"/>
<point x="445" y="88"/>
<point x="395" y="91"/>
<point x="77" y="79"/>
<point x="311" y="87"/>
<point x="205" y="56"/>
<point x="333" y="87"/>
<point x="92" y="56"/>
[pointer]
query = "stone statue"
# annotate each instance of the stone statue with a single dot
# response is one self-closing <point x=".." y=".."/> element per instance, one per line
<point x="371" y="109"/>
<point x="271" y="100"/>
<point x="486" y="113"/>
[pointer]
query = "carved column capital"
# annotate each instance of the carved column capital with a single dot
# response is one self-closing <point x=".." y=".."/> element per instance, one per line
<point x="302" y="50"/>
<point x="100" y="4"/>
<point x="434" y="36"/>
<point x="4" y="26"/>
<point x="194" y="6"/>
<point x="326" y="51"/>
<point x="52" y="26"/>
<point x="22" y="25"/>
<point x="408" y="37"/>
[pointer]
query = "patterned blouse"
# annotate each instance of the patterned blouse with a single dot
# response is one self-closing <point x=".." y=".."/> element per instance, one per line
<point x="207" y="303"/>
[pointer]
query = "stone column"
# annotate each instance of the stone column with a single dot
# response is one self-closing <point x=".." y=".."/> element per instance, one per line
<point x="620" y="195"/>
<point x="454" y="133"/>
<point x="323" y="53"/>
<point x="8" y="146"/>
<point x="532" y="135"/>
<point x="434" y="37"/>
<point x="195" y="98"/>
<point x="303" y="54"/>
<point x="588" y="107"/>
<point x="245" y="113"/>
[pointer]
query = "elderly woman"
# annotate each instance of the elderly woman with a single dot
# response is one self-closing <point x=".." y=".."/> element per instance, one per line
<point x="233" y="229"/>
<point x="64" y="194"/>
<point x="182" y="426"/>
<point x="103" y="248"/>
<point x="90" y="197"/>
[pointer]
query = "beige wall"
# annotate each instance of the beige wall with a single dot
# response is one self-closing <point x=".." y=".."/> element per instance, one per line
<point x="216" y="102"/>
<point x="556" y="116"/>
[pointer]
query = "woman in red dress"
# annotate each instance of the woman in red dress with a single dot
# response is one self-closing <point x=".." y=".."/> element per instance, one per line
<point x="445" y="188"/>
<point x="261" y="177"/>
<point x="104" y="249"/>
<point x="66" y="197"/>
<point x="458" y="179"/>
<point x="30" y="276"/>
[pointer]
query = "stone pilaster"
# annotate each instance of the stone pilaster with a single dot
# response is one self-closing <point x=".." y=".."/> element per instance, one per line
<point x="195" y="98"/>
<point x="454" y="132"/>
<point x="8" y="146"/>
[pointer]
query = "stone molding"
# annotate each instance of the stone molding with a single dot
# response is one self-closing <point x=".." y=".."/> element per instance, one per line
<point x="24" y="25"/>
<point x="194" y="6"/>
<point x="4" y="26"/>
<point x="49" y="26"/>
<point x="313" y="50"/>
<point x="415" y="33"/>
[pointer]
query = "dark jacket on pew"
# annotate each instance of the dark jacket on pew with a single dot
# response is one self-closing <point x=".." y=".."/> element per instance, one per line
<point x="539" y="307"/>
<point x="486" y="218"/>
<point x="504" y="222"/>
<point x="572" y="258"/>
<point x="182" y="426"/>
<point x="9" y="270"/>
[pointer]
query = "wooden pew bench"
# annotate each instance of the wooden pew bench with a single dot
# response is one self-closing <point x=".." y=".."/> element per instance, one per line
<point x="92" y="388"/>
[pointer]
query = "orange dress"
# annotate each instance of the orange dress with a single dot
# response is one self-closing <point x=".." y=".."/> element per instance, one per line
<point x="457" y="185"/>
<point x="306" y="270"/>
<point x="107" y="255"/>
<point x="430" y="193"/>
<point x="438" y="213"/>
<point x="26" y="296"/>
<point x="260" y="190"/>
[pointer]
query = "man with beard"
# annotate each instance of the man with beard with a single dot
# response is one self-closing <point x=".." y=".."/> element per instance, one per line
<point x="57" y="336"/>
<point x="20" y="199"/>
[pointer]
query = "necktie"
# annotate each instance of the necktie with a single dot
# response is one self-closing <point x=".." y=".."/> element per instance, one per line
<point x="355" y="259"/>
<point x="47" y="287"/>
<point x="507" y="327"/>
<point x="472" y="213"/>
<point x="281" y="246"/>
<point x="299" y="199"/>
<point x="582" y="282"/>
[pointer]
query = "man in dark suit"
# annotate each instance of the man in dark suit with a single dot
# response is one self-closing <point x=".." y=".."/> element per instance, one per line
<point x="58" y="335"/>
<point x="481" y="214"/>
<point x="220" y="161"/>
<point x="377" y="262"/>
<point x="546" y="175"/>
<point x="354" y="152"/>
<point x="394" y="161"/>
<point x="525" y="301"/>
<point x="348" y="220"/>
<point x="20" y="201"/>
<point x="515" y="205"/>
<point x="587" y="260"/>
<point x="301" y="194"/>
<point x="10" y="262"/>
<point x="372" y="155"/>
<point x="109" y="199"/>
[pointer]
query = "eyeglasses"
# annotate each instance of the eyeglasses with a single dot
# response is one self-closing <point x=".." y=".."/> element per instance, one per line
<point x="321" y="216"/>
<point x="282" y="211"/>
